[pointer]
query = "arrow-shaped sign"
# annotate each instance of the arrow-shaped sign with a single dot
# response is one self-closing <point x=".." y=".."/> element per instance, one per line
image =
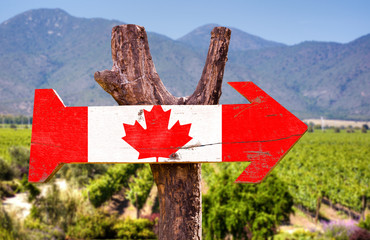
<point x="261" y="132"/>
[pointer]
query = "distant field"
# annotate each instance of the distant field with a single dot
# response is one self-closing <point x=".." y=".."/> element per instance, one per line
<point x="336" y="123"/>
<point x="13" y="137"/>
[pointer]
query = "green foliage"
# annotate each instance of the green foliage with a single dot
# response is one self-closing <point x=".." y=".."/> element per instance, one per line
<point x="6" y="223"/>
<point x="10" y="138"/>
<point x="364" y="128"/>
<point x="310" y="128"/>
<point x="337" y="232"/>
<point x="20" y="157"/>
<point x="53" y="212"/>
<point x="101" y="225"/>
<point x="116" y="177"/>
<point x="331" y="165"/>
<point x="81" y="174"/>
<point x="96" y="225"/>
<point x="6" y="171"/>
<point x="304" y="235"/>
<point x="36" y="229"/>
<point x="5" y="190"/>
<point x="242" y="210"/>
<point x="10" y="228"/>
<point x="49" y="209"/>
<point x="11" y="119"/>
<point x="365" y="224"/>
<point x="33" y="191"/>
<point x="139" y="188"/>
<point x="135" y="229"/>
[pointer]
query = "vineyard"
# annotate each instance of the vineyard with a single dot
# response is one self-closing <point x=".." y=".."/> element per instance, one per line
<point x="330" y="167"/>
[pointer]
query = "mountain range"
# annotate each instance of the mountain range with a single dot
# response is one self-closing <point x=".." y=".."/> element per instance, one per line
<point x="48" y="48"/>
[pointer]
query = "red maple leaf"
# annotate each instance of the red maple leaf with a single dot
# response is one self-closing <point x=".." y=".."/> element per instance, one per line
<point x="157" y="140"/>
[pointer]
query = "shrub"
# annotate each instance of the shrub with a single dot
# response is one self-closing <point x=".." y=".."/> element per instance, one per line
<point x="364" y="128"/>
<point x="6" y="171"/>
<point x="303" y="234"/>
<point x="26" y="186"/>
<point x="82" y="174"/>
<point x="10" y="228"/>
<point x="365" y="224"/>
<point x="97" y="225"/>
<point x="135" y="229"/>
<point x="5" y="190"/>
<point x="20" y="158"/>
<point x="52" y="215"/>
<point x="39" y="230"/>
<point x="6" y="223"/>
<point x="310" y="128"/>
<point x="101" y="189"/>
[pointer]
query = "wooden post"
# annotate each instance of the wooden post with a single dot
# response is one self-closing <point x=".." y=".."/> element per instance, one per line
<point x="134" y="80"/>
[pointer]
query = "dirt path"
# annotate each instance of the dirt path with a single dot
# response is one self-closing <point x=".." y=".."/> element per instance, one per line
<point x="19" y="205"/>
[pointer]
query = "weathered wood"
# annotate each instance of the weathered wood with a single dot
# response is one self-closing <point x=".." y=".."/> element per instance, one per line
<point x="133" y="80"/>
<point x="260" y="132"/>
<point x="208" y="91"/>
<point x="180" y="197"/>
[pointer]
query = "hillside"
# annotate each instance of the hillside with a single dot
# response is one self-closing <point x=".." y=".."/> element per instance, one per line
<point x="48" y="48"/>
<point x="240" y="41"/>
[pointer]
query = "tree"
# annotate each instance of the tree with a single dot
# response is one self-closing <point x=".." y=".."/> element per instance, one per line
<point x="134" y="80"/>
<point x="243" y="210"/>
<point x="364" y="128"/>
<point x="139" y="188"/>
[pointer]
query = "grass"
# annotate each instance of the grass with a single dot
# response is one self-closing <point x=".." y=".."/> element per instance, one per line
<point x="13" y="137"/>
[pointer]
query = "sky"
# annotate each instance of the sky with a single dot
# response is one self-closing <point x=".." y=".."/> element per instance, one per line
<point x="285" y="21"/>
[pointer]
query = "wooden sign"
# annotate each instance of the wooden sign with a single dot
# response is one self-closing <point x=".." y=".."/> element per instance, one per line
<point x="261" y="132"/>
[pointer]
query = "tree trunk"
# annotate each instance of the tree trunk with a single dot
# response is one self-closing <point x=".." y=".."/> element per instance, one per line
<point x="134" y="80"/>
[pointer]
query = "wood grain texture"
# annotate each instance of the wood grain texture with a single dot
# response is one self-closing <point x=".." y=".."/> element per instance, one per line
<point x="261" y="132"/>
<point x="133" y="80"/>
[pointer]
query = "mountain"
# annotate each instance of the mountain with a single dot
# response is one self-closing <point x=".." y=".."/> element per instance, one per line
<point x="240" y="41"/>
<point x="327" y="79"/>
<point x="48" y="48"/>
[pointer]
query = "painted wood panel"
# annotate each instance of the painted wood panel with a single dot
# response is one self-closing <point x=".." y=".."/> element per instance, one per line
<point x="261" y="132"/>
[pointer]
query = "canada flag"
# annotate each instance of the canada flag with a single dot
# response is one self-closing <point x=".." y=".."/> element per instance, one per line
<point x="261" y="132"/>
